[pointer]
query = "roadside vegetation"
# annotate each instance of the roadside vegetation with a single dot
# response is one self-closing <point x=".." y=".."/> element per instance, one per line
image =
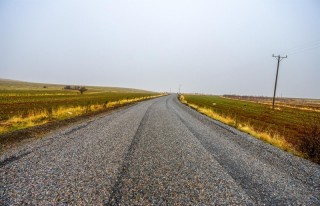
<point x="293" y="126"/>
<point x="25" y="105"/>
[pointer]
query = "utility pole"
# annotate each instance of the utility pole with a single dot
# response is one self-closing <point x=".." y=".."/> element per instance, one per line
<point x="279" y="58"/>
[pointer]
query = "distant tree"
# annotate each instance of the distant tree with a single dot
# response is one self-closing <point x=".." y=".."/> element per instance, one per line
<point x="67" y="87"/>
<point x="82" y="89"/>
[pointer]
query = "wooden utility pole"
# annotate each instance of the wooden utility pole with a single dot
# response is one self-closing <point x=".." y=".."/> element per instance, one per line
<point x="279" y="58"/>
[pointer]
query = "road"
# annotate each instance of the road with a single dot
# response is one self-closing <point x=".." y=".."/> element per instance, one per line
<point x="157" y="152"/>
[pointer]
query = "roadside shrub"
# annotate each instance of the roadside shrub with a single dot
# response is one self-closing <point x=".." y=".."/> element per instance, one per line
<point x="105" y="104"/>
<point x="88" y="107"/>
<point x="50" y="113"/>
<point x="236" y="121"/>
<point x="310" y="141"/>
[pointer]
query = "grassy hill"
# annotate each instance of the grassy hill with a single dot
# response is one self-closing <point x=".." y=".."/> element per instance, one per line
<point x="7" y="85"/>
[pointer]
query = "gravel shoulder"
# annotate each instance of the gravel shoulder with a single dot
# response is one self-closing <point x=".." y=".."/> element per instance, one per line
<point x="157" y="152"/>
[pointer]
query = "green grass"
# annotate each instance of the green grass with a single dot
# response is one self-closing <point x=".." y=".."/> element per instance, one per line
<point x="292" y="129"/>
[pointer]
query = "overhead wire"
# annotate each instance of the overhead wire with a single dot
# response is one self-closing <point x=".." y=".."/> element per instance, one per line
<point x="305" y="49"/>
<point x="302" y="47"/>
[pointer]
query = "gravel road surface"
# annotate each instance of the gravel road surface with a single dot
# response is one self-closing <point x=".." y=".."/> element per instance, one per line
<point x="157" y="152"/>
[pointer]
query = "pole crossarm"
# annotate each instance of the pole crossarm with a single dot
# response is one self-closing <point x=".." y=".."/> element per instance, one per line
<point x="279" y="57"/>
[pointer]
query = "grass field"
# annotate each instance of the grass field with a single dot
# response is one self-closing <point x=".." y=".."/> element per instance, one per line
<point x="25" y="105"/>
<point x="293" y="126"/>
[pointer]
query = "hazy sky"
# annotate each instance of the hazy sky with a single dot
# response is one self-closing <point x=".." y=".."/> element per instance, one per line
<point x="207" y="46"/>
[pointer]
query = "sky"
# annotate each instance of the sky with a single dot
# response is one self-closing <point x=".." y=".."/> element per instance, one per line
<point x="205" y="46"/>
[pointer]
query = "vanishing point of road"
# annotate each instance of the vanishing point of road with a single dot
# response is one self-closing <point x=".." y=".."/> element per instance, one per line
<point x="157" y="152"/>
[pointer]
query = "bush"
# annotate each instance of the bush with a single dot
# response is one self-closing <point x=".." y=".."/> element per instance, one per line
<point x="50" y="113"/>
<point x="82" y="89"/>
<point x="88" y="107"/>
<point x="310" y="142"/>
<point x="105" y="104"/>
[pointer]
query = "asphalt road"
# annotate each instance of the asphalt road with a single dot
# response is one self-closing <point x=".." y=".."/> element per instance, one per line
<point x="158" y="152"/>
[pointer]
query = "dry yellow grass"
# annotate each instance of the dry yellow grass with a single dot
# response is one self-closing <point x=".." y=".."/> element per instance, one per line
<point x="273" y="139"/>
<point x="19" y="122"/>
<point x="3" y="130"/>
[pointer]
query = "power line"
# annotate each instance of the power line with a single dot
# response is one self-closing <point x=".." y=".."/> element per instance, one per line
<point x="306" y="44"/>
<point x="303" y="47"/>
